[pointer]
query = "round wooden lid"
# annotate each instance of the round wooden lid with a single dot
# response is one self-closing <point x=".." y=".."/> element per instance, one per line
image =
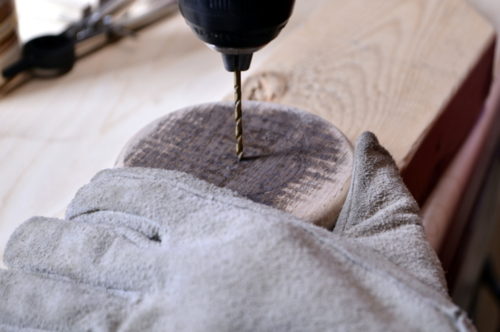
<point x="294" y="161"/>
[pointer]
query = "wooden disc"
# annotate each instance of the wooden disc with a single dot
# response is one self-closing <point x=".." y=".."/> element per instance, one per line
<point x="294" y="161"/>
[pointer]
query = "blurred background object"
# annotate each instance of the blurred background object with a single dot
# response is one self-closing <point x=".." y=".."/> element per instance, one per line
<point x="50" y="55"/>
<point x="52" y="16"/>
<point x="47" y="16"/>
<point x="9" y="39"/>
<point x="491" y="10"/>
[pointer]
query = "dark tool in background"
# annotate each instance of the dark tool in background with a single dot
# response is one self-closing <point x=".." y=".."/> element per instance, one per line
<point x="237" y="29"/>
<point x="54" y="55"/>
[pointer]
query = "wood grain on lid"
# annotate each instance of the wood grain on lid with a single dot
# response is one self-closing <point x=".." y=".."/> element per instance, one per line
<point x="295" y="161"/>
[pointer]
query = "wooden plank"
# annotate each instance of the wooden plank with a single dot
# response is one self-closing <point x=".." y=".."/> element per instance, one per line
<point x="491" y="10"/>
<point x="478" y="237"/>
<point x="294" y="161"/>
<point x="448" y="213"/>
<point x="448" y="210"/>
<point x="388" y="66"/>
<point x="9" y="38"/>
<point x="450" y="130"/>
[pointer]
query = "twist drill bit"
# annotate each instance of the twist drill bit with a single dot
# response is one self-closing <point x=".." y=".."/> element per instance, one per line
<point x="236" y="31"/>
<point x="238" y="114"/>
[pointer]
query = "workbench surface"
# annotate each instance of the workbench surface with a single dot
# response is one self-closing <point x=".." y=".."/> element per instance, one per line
<point x="389" y="66"/>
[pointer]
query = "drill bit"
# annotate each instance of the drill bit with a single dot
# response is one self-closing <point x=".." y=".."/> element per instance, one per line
<point x="238" y="114"/>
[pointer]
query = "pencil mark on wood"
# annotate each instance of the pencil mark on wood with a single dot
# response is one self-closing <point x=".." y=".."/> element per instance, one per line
<point x="291" y="156"/>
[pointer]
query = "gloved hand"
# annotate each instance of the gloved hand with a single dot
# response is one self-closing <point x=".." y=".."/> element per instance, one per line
<point x="157" y="250"/>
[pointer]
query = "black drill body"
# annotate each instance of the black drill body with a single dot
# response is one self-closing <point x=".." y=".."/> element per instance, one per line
<point x="236" y="28"/>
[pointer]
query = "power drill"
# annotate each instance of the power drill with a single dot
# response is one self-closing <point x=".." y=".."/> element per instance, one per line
<point x="237" y="29"/>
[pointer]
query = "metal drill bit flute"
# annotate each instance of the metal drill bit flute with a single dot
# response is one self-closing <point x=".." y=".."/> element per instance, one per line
<point x="238" y="114"/>
<point x="237" y="31"/>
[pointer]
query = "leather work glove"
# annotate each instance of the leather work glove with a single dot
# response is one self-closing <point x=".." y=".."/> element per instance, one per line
<point x="156" y="250"/>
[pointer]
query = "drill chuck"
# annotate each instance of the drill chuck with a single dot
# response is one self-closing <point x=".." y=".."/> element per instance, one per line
<point x="236" y="28"/>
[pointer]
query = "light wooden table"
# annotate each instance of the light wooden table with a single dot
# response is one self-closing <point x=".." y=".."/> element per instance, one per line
<point x="389" y="66"/>
<point x="56" y="134"/>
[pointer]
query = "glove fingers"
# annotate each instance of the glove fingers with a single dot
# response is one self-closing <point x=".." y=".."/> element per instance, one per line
<point x="381" y="214"/>
<point x="34" y="302"/>
<point x="94" y="254"/>
<point x="378" y="200"/>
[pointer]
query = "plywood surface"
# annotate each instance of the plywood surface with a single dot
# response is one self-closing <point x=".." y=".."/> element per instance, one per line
<point x="388" y="66"/>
